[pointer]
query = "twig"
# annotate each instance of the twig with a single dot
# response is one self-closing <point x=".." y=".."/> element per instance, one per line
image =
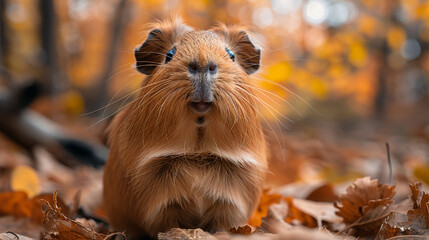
<point x="389" y="162"/>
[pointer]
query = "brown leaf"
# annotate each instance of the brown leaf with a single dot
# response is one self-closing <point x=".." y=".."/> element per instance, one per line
<point x="324" y="193"/>
<point x="266" y="200"/>
<point x="410" y="217"/>
<point x="418" y="217"/>
<point x="361" y="197"/>
<point x="365" y="205"/>
<point x="243" y="230"/>
<point x="62" y="227"/>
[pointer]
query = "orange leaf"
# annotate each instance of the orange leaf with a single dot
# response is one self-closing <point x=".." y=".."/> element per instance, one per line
<point x="295" y="214"/>
<point x="19" y="205"/>
<point x="266" y="200"/>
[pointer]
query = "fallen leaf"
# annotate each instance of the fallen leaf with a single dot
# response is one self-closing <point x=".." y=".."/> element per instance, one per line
<point x="243" y="230"/>
<point x="409" y="218"/>
<point x="365" y="205"/>
<point x="297" y="215"/>
<point x="16" y="204"/>
<point x="266" y="200"/>
<point x="418" y="217"/>
<point x="185" y="234"/>
<point x="62" y="227"/>
<point x="362" y="196"/>
<point x="321" y="211"/>
<point x="19" y="205"/>
<point x="274" y="222"/>
<point x="24" y="178"/>
<point x="324" y="193"/>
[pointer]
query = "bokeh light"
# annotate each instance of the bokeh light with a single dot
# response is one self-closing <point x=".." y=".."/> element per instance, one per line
<point x="316" y="11"/>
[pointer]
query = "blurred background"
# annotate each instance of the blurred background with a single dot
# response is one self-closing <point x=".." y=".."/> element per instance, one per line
<point x="338" y="78"/>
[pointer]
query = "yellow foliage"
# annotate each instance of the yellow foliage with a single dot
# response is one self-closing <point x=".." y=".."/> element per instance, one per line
<point x="332" y="175"/>
<point x="198" y="5"/>
<point x="319" y="88"/>
<point x="368" y="25"/>
<point x="279" y="72"/>
<point x="422" y="173"/>
<point x="154" y="3"/>
<point x="337" y="70"/>
<point x="357" y="54"/>
<point x="73" y="103"/>
<point x="423" y="11"/>
<point x="24" y="178"/>
<point x="396" y="37"/>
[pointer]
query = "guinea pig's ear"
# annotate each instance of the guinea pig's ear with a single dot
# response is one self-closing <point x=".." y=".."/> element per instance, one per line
<point x="246" y="53"/>
<point x="159" y="41"/>
<point x="150" y="54"/>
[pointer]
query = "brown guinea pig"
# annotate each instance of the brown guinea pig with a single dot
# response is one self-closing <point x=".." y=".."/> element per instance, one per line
<point x="189" y="150"/>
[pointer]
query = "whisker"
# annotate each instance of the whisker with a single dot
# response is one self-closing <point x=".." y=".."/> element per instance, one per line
<point x="268" y="124"/>
<point x="266" y="104"/>
<point x="261" y="90"/>
<point x="294" y="94"/>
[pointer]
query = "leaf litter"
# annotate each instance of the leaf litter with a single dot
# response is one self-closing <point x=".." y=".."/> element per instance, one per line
<point x="364" y="208"/>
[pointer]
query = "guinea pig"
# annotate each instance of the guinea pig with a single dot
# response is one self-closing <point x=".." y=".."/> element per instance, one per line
<point x="189" y="151"/>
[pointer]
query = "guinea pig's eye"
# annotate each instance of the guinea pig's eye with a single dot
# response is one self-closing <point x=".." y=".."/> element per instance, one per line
<point x="170" y="54"/>
<point x="231" y="54"/>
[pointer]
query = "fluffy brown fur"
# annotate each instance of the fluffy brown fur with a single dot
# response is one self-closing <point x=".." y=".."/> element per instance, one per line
<point x="165" y="170"/>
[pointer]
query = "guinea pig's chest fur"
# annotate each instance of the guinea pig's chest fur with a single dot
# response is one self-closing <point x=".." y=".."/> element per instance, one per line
<point x="189" y="150"/>
<point x="193" y="182"/>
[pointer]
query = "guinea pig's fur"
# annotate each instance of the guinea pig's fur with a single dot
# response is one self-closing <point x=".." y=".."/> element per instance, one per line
<point x="171" y="166"/>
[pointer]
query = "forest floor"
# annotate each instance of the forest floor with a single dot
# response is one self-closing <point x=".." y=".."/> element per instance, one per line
<point x="324" y="183"/>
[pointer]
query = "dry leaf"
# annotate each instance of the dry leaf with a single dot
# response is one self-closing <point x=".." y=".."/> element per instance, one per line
<point x="185" y="234"/>
<point x="418" y="217"/>
<point x="365" y="204"/>
<point x="19" y="205"/>
<point x="295" y="214"/>
<point x="16" y="204"/>
<point x="62" y="227"/>
<point x="243" y="230"/>
<point x="24" y="178"/>
<point x="410" y="217"/>
<point x="362" y="196"/>
<point x="266" y="200"/>
<point x="275" y="220"/>
<point x="321" y="211"/>
<point x="324" y="193"/>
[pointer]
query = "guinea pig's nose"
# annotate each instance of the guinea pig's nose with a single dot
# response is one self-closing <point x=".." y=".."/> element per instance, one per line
<point x="201" y="106"/>
<point x="194" y="68"/>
